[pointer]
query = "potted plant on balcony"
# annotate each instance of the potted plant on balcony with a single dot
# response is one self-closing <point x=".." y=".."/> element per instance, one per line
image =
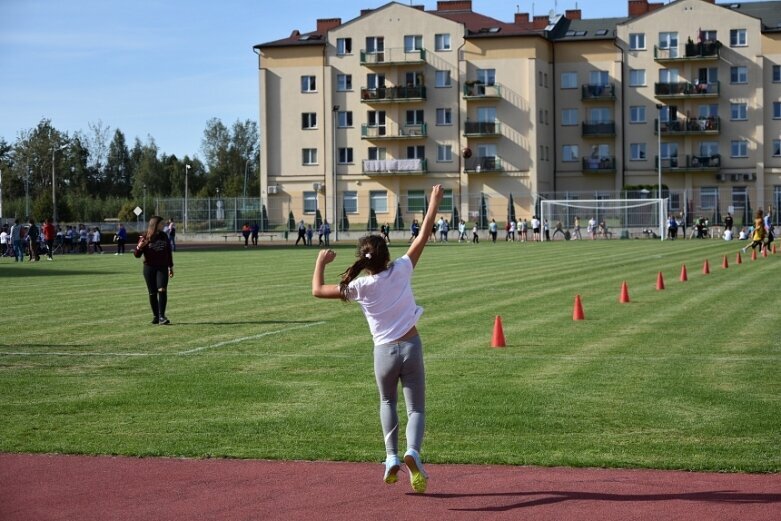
<point x="691" y="47"/>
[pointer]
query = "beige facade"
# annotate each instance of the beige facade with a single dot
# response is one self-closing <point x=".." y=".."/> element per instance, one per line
<point x="368" y="114"/>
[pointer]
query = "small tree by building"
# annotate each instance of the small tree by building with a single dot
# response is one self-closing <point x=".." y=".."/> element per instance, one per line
<point x="291" y="222"/>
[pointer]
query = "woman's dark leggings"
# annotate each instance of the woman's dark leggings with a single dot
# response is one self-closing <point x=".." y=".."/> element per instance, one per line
<point x="157" y="285"/>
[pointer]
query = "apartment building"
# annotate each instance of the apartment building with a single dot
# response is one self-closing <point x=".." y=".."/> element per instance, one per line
<point x="358" y="119"/>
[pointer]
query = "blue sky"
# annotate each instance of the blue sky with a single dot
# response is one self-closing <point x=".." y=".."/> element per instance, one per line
<point x="164" y="67"/>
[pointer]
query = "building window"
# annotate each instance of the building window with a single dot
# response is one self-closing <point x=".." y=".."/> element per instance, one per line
<point x="777" y="110"/>
<point x="445" y="153"/>
<point x="739" y="148"/>
<point x="599" y="78"/>
<point x="309" y="120"/>
<point x="709" y="149"/>
<point x="669" y="151"/>
<point x="310" y="202"/>
<point x="637" y="152"/>
<point x="416" y="152"/>
<point x="738" y="74"/>
<point x="350" y="201"/>
<point x="344" y="119"/>
<point x="776" y="73"/>
<point x="637" y="41"/>
<point x="637" y="77"/>
<point x="447" y="202"/>
<point x="308" y="84"/>
<point x="416" y="201"/>
<point x="738" y="112"/>
<point x="444" y="117"/>
<point x="539" y="78"/>
<point x="710" y="110"/>
<point x="637" y="114"/>
<point x="309" y="156"/>
<point x="375" y="81"/>
<point x="415" y="117"/>
<point x="777" y="148"/>
<point x="375" y="44"/>
<point x="486" y="76"/>
<point x="344" y="46"/>
<point x="737" y="38"/>
<point x="443" y="79"/>
<point x="442" y="42"/>
<point x="378" y="201"/>
<point x="569" y="80"/>
<point x="569" y="153"/>
<point x="344" y="82"/>
<point x="345" y="156"/>
<point x="413" y="42"/>
<point x="377" y="153"/>
<point x="540" y="117"/>
<point x="545" y="80"/>
<point x="569" y="117"/>
<point x="669" y="42"/>
<point x="709" y="196"/>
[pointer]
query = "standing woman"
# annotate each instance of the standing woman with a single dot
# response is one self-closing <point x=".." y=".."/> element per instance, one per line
<point x="385" y="296"/>
<point x="158" y="267"/>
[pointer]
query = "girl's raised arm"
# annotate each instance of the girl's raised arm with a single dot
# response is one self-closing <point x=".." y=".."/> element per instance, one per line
<point x="419" y="243"/>
<point x="319" y="289"/>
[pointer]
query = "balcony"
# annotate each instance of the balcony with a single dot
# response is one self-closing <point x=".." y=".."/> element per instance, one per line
<point x="474" y="90"/>
<point x="598" y="92"/>
<point x="598" y="165"/>
<point x="710" y="125"/>
<point x="393" y="94"/>
<point x="482" y="129"/>
<point x="701" y="51"/>
<point x="598" y="129"/>
<point x="683" y="90"/>
<point x="390" y="57"/>
<point x="394" y="132"/>
<point x="483" y="164"/>
<point x="394" y="166"/>
<point x="711" y="163"/>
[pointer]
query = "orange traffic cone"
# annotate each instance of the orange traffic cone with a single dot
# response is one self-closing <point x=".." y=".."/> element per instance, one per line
<point x="753" y="254"/>
<point x="764" y="251"/>
<point x="684" y="278"/>
<point x="774" y="249"/>
<point x="738" y="259"/>
<point x="659" y="282"/>
<point x="624" y="299"/>
<point x="706" y="268"/>
<point x="577" y="312"/>
<point x="498" y="338"/>
<point x="724" y="263"/>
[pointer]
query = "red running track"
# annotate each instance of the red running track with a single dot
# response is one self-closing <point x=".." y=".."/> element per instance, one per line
<point x="83" y="488"/>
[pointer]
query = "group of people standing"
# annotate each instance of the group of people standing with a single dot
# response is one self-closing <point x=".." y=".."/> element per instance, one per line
<point x="27" y="239"/>
<point x="306" y="232"/>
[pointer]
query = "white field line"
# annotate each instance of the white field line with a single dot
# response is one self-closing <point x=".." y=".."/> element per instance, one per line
<point x="177" y="353"/>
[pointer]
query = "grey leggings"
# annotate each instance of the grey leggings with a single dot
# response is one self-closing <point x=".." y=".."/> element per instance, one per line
<point x="403" y="361"/>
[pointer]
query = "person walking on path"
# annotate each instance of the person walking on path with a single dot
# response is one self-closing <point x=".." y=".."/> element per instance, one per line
<point x="535" y="229"/>
<point x="492" y="229"/>
<point x="327" y="233"/>
<point x="122" y="239"/>
<point x="155" y="247"/>
<point x="170" y="229"/>
<point x="385" y="296"/>
<point x="254" y="232"/>
<point x="758" y="236"/>
<point x="245" y="232"/>
<point x="301" y="232"/>
<point x="49" y="233"/>
<point x="16" y="241"/>
<point x="33" y="236"/>
<point x="576" y="233"/>
<point x="96" y="241"/>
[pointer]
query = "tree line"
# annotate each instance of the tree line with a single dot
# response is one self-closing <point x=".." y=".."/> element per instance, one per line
<point x="99" y="175"/>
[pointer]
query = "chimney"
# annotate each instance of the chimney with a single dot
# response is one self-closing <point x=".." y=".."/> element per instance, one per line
<point x="522" y="20"/>
<point x="454" y="5"/>
<point x="540" y="22"/>
<point x="366" y="11"/>
<point x="572" y="14"/>
<point x="326" y="24"/>
<point x="423" y="7"/>
<point x="637" y="8"/>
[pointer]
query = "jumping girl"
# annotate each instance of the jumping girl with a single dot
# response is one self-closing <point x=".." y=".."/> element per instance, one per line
<point x="385" y="297"/>
<point x="158" y="267"/>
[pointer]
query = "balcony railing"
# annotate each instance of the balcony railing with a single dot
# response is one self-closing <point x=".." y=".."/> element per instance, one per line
<point x="394" y="166"/>
<point x="686" y="90"/>
<point x="690" y="126"/>
<point x="482" y="128"/>
<point x="598" y="92"/>
<point x="393" y="56"/>
<point x="393" y="94"/>
<point x="700" y="51"/>
<point x="394" y="131"/>
<point x="598" y="129"/>
<point x="708" y="163"/>
<point x="483" y="164"/>
<point x="475" y="90"/>
<point x="599" y="164"/>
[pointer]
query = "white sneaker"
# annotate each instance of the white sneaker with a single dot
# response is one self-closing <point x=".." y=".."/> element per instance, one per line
<point x="418" y="477"/>
<point x="392" y="466"/>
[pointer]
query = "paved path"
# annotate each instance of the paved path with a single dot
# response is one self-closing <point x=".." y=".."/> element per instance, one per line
<point x="44" y="487"/>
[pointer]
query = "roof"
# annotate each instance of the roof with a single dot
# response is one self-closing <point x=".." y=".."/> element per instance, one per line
<point x="589" y="29"/>
<point x="295" y="39"/>
<point x="769" y="13"/>
<point x="478" y="25"/>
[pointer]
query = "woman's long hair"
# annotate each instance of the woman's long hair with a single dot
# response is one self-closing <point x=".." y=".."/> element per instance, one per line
<point x="151" y="229"/>
<point x="372" y="255"/>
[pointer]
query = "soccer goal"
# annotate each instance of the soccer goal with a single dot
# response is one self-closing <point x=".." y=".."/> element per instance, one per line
<point x="611" y="218"/>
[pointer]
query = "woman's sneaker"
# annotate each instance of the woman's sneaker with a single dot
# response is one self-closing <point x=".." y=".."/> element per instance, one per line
<point x="418" y="477"/>
<point x="392" y="465"/>
<point x="164" y="321"/>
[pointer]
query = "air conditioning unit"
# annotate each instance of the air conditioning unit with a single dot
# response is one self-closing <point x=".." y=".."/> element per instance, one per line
<point x="317" y="186"/>
<point x="749" y="177"/>
<point x="736" y="177"/>
<point x="721" y="177"/>
<point x="272" y="189"/>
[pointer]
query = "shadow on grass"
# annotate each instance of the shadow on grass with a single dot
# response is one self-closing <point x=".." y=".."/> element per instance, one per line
<point x="243" y="322"/>
<point x="553" y="497"/>
<point x="46" y="272"/>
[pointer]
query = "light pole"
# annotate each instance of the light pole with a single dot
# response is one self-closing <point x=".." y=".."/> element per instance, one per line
<point x="144" y="208"/>
<point x="1" y="193"/>
<point x="186" y="175"/>
<point x="246" y="167"/>
<point x="335" y="221"/>
<point x="659" y="167"/>
<point x="54" y="183"/>
<point x="27" y="193"/>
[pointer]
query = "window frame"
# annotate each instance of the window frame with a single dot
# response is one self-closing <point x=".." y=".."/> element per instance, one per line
<point x="742" y="148"/>
<point x="309" y="198"/>
<point x="309" y="156"/>
<point x="565" y="121"/>
<point x="345" y="156"/>
<point x="311" y="85"/>
<point x="638" y="152"/>
<point x="348" y="115"/>
<point x="377" y="196"/>
<point x="447" y="119"/>
<point x="735" y="37"/>
<point x="739" y="107"/>
<point x="640" y="111"/>
<point x="571" y="81"/>
<point x="342" y="45"/>
<point x="352" y="196"/>
<point x="417" y="43"/>
<point x="633" y="82"/>
<point x="442" y="73"/>
<point x="344" y="82"/>
<point x="636" y="37"/>
<point x="570" y="153"/>
<point x="447" y="157"/>
<point x="735" y="75"/>
<point x="308" y="120"/>
<point x="441" y="38"/>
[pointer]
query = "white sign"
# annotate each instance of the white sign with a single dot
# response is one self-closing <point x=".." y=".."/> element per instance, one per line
<point x="138" y="211"/>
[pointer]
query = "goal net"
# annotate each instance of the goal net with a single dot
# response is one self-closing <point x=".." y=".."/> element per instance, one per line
<point x="612" y="218"/>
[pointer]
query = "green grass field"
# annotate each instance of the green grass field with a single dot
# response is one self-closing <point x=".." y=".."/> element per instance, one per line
<point x="254" y="367"/>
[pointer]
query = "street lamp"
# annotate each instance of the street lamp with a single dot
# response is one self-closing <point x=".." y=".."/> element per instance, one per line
<point x="335" y="221"/>
<point x="246" y="167"/>
<point x="659" y="166"/>
<point x="54" y="183"/>
<point x="27" y="193"/>
<point x="186" y="175"/>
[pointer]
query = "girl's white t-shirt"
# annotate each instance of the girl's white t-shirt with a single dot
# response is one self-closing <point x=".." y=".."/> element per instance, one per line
<point x="387" y="302"/>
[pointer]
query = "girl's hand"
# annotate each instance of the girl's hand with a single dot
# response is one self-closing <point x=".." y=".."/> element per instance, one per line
<point x="326" y="256"/>
<point x="170" y="273"/>
<point x="437" y="193"/>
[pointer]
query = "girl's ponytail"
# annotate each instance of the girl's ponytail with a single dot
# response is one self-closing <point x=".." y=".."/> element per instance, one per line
<point x="372" y="255"/>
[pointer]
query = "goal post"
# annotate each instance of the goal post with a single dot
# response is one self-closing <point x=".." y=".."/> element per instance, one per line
<point x="613" y="218"/>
